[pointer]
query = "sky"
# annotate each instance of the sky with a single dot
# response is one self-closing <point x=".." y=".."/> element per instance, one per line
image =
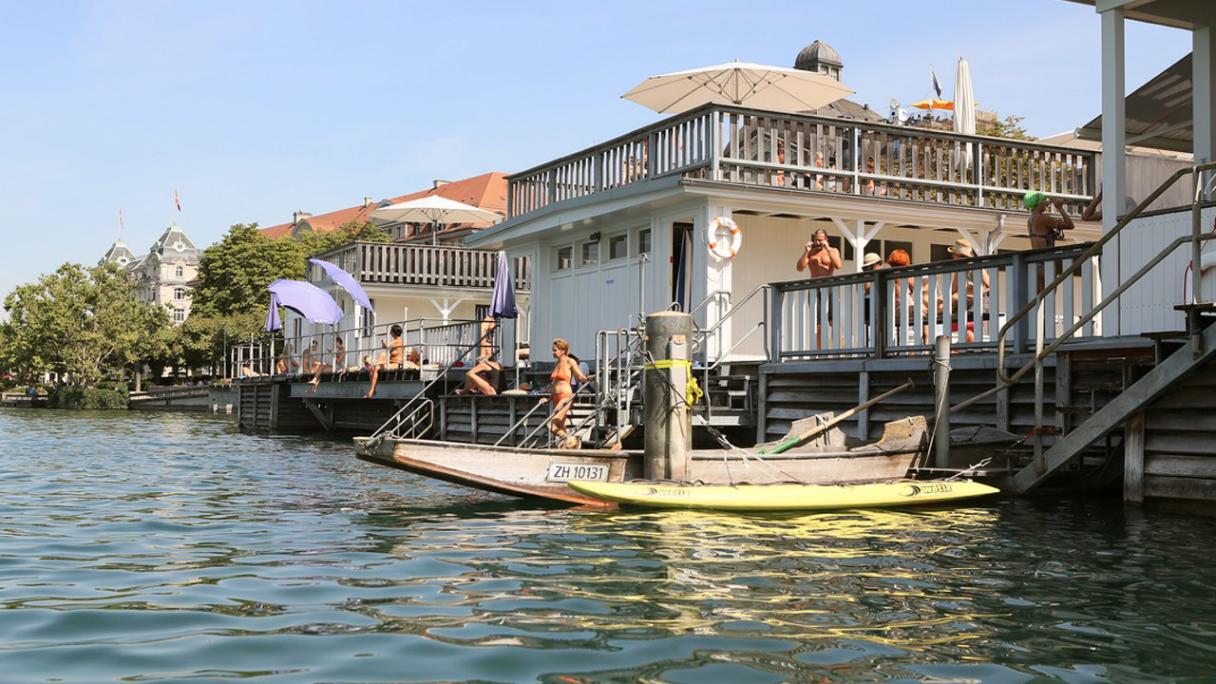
<point x="252" y="110"/>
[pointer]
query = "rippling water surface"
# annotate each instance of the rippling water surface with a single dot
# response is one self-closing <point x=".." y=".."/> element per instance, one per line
<point x="153" y="547"/>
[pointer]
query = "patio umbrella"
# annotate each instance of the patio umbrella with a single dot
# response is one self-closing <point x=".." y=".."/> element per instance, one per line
<point x="306" y="299"/>
<point x="436" y="210"/>
<point x="738" y="83"/>
<point x="935" y="103"/>
<point x="964" y="105"/>
<point x="345" y="281"/>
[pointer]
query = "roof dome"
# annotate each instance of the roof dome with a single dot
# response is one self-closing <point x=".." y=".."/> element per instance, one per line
<point x="815" y="54"/>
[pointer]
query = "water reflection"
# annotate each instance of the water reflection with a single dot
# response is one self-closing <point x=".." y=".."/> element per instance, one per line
<point x="161" y="546"/>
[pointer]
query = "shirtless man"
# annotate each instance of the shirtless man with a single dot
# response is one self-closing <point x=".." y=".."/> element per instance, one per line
<point x="395" y="360"/>
<point x="819" y="256"/>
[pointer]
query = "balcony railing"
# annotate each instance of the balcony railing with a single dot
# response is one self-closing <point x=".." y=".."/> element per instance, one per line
<point x="754" y="147"/>
<point x="902" y="310"/>
<point x="422" y="265"/>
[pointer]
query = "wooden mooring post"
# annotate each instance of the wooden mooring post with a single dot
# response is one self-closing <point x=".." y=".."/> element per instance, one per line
<point x="941" y="402"/>
<point x="668" y="419"/>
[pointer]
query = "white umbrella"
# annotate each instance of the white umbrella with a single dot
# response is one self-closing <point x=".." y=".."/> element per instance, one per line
<point x="964" y="106"/>
<point x="435" y="210"/>
<point x="738" y="83"/>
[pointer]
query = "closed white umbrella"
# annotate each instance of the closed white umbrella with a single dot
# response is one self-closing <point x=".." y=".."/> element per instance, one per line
<point x="738" y="83"/>
<point x="964" y="105"/>
<point x="435" y="210"/>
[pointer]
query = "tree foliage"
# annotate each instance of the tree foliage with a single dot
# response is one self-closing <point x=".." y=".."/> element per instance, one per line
<point x="1009" y="127"/>
<point x="86" y="323"/>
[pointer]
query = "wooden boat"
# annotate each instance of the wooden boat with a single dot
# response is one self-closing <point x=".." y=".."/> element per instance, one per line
<point x="546" y="473"/>
<point x="783" y="497"/>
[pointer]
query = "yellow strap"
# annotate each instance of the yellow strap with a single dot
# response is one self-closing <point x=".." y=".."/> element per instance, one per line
<point x="668" y="363"/>
<point x="692" y="392"/>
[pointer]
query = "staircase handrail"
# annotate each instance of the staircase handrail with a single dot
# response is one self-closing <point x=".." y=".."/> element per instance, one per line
<point x="565" y="402"/>
<point x="1004" y="380"/>
<point x="382" y="431"/>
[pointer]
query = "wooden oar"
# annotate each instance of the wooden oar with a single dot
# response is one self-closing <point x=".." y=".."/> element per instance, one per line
<point x="805" y="437"/>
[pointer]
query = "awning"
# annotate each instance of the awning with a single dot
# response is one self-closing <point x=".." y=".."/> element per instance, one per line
<point x="306" y="299"/>
<point x="1158" y="113"/>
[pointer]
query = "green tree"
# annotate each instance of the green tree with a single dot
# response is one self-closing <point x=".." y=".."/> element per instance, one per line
<point x="1009" y="127"/>
<point x="86" y="323"/>
<point x="235" y="271"/>
<point x="353" y="231"/>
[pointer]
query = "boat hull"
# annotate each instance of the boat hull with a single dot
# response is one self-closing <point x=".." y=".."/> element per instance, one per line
<point x="784" y="497"/>
<point x="545" y="473"/>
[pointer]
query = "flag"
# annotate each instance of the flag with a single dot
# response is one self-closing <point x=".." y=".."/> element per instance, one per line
<point x="120" y="224"/>
<point x="937" y="87"/>
<point x="177" y="201"/>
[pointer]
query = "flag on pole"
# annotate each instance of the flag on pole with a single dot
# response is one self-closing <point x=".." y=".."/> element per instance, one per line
<point x="937" y="87"/>
<point x="120" y="223"/>
<point x="177" y="201"/>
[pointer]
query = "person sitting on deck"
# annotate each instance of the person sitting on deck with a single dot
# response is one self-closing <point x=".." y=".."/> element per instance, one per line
<point x="395" y="361"/>
<point x="286" y="363"/>
<point x="319" y="366"/>
<point x="564" y="370"/>
<point x="485" y="378"/>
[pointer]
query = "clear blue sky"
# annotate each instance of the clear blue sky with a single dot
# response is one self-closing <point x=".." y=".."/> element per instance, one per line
<point x="254" y="109"/>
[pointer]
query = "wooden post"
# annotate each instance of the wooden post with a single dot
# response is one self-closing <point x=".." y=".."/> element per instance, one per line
<point x="1133" y="459"/>
<point x="774" y="323"/>
<point x="863" y="395"/>
<point x="668" y="441"/>
<point x="941" y="402"/>
<point x="1019" y="289"/>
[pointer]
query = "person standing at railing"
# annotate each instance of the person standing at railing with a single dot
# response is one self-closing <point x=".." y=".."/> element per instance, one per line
<point x="395" y="361"/>
<point x="1045" y="230"/>
<point x="822" y="260"/>
<point x="959" y="306"/>
<point x="565" y="369"/>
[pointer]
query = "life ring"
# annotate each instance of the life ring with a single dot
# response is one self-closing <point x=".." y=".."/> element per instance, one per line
<point x="724" y="238"/>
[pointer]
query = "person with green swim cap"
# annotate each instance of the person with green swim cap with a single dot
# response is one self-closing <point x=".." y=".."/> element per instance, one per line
<point x="1044" y="229"/>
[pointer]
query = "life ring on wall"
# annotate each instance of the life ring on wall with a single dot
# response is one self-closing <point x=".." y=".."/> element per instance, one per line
<point x="724" y="238"/>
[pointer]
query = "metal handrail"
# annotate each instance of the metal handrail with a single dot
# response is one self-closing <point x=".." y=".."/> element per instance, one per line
<point x="380" y="433"/>
<point x="1004" y="381"/>
<point x="524" y="442"/>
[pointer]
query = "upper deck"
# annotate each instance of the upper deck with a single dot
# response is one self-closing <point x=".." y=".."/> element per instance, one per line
<point x="422" y="266"/>
<point x="802" y="153"/>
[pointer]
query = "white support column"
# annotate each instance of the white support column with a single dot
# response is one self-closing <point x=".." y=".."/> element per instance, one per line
<point x="717" y="279"/>
<point x="859" y="237"/>
<point x="979" y="243"/>
<point x="997" y="236"/>
<point x="1204" y="94"/>
<point x="1114" y="136"/>
<point x="445" y="310"/>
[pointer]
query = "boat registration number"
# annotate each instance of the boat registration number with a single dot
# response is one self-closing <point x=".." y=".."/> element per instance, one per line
<point x="565" y="472"/>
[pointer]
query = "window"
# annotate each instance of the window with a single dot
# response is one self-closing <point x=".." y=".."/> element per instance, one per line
<point x="618" y="246"/>
<point x="844" y="246"/>
<point x="565" y="255"/>
<point x="179" y="272"/>
<point x="644" y="242"/>
<point x="889" y="246"/>
<point x="369" y="317"/>
<point x="179" y="293"/>
<point x="939" y="253"/>
<point x="179" y="315"/>
<point x="591" y="254"/>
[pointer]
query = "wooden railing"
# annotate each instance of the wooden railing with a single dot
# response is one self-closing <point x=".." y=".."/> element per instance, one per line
<point x="819" y="154"/>
<point x="901" y="311"/>
<point x="425" y="265"/>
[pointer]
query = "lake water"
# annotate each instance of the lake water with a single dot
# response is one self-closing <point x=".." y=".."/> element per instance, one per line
<point x="160" y="547"/>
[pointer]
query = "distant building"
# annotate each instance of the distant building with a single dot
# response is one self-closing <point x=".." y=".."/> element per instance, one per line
<point x="163" y="275"/>
<point x="487" y="191"/>
<point x="822" y="58"/>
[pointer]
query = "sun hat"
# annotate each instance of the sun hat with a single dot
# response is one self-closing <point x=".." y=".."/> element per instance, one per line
<point x="961" y="247"/>
<point x="871" y="259"/>
<point x="1033" y="199"/>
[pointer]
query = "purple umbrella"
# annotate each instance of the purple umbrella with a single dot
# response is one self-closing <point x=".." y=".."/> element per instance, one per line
<point x="502" y="304"/>
<point x="306" y="299"/>
<point x="345" y="281"/>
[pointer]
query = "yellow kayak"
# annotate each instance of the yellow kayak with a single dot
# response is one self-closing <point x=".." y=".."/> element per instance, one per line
<point x="784" y="497"/>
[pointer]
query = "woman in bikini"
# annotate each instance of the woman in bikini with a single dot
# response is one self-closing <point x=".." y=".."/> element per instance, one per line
<point x="565" y="369"/>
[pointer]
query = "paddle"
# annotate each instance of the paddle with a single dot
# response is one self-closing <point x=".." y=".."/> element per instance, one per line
<point x="796" y="440"/>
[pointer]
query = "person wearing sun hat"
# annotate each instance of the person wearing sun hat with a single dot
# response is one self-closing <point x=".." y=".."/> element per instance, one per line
<point x="961" y="249"/>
